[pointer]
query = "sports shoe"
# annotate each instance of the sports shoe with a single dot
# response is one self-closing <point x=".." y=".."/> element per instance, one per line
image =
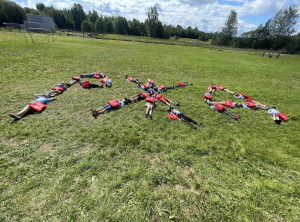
<point x="146" y="115"/>
<point x="101" y="86"/>
<point x="194" y="127"/>
<point x="176" y="104"/>
<point x="236" y="117"/>
<point x="199" y="124"/>
<point x="150" y="117"/>
<point x="12" y="115"/>
<point x="94" y="113"/>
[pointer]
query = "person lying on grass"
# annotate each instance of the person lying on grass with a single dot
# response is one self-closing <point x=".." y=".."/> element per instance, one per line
<point x="88" y="85"/>
<point x="207" y="97"/>
<point x="37" y="105"/>
<point x="144" y="86"/>
<point x="274" y="113"/>
<point x="96" y="75"/>
<point x="151" y="83"/>
<point x="138" y="97"/>
<point x="107" y="82"/>
<point x="222" y="109"/>
<point x="111" y="105"/>
<point x="58" y="89"/>
<point x="176" y="114"/>
<point x="242" y="96"/>
<point x="131" y="79"/>
<point x="181" y="84"/>
<point x="163" y="88"/>
<point x="150" y="102"/>
<point x="212" y="89"/>
<point x="165" y="100"/>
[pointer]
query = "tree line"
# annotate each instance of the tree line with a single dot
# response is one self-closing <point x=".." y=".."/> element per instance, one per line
<point x="275" y="34"/>
<point x="76" y="19"/>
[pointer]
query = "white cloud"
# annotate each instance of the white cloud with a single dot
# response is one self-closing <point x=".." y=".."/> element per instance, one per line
<point x="198" y="2"/>
<point x="264" y="6"/>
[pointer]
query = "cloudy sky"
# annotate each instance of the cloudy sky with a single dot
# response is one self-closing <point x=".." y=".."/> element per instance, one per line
<point x="207" y="15"/>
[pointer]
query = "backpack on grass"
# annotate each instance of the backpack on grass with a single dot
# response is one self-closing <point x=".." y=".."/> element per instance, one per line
<point x="114" y="103"/>
<point x="37" y="106"/>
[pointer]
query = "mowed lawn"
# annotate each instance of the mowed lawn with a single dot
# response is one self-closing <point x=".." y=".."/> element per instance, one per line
<point x="64" y="165"/>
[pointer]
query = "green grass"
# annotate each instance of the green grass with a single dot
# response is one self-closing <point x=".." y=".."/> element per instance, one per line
<point x="63" y="165"/>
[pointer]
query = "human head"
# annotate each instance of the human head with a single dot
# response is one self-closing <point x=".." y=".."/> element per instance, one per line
<point x="170" y="108"/>
<point x="108" y="83"/>
<point x="274" y="107"/>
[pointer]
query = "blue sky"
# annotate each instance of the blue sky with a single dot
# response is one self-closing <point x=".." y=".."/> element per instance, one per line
<point x="207" y="15"/>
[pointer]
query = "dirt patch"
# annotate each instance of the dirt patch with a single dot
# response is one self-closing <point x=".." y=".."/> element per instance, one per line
<point x="45" y="147"/>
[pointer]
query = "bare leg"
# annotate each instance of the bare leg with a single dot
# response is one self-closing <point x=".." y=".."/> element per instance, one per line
<point x="175" y="104"/>
<point x="227" y="90"/>
<point x="100" y="110"/>
<point x="95" y="113"/>
<point x="20" y="114"/>
<point x="48" y="94"/>
<point x="55" y="93"/>
<point x="135" y="98"/>
<point x="260" y="106"/>
<point x="150" y="111"/>
<point x="165" y="102"/>
<point x="72" y="82"/>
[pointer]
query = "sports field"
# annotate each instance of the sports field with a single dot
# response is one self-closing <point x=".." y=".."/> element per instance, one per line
<point x="64" y="165"/>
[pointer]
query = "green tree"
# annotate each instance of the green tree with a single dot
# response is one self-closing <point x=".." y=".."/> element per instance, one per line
<point x="152" y="21"/>
<point x="109" y="27"/>
<point x="134" y="27"/>
<point x="59" y="19"/>
<point x="231" y="25"/>
<point x="40" y="6"/>
<point x="78" y="15"/>
<point x="121" y="25"/>
<point x="159" y="32"/>
<point x="11" y="12"/>
<point x="86" y="26"/>
<point x="283" y="23"/>
<point x="100" y="25"/>
<point x="179" y="31"/>
<point x="92" y="16"/>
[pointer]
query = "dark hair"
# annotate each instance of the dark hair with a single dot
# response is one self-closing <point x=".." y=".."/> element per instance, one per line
<point x="274" y="107"/>
<point x="170" y="108"/>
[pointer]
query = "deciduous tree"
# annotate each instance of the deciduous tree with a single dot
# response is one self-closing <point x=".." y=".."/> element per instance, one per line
<point x="78" y="15"/>
<point x="152" y="21"/>
<point x="231" y="25"/>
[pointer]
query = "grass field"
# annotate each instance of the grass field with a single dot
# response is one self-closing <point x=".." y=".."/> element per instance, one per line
<point x="63" y="165"/>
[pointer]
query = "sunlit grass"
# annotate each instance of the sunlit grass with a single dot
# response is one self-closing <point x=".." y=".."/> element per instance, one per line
<point x="63" y="165"/>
